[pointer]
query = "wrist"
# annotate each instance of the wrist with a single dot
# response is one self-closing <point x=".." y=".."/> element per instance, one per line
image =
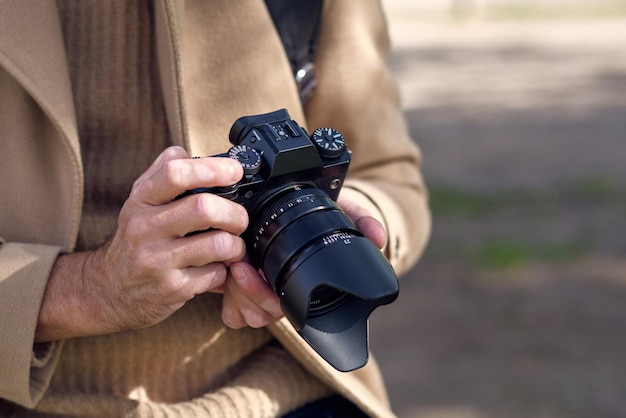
<point x="67" y="310"/>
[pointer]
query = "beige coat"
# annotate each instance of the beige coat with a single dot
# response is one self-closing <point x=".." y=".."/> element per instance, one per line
<point x="218" y="60"/>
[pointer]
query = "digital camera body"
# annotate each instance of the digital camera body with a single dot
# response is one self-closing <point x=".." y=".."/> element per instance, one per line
<point x="328" y="276"/>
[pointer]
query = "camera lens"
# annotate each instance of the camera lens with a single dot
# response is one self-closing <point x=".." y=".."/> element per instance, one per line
<point x="291" y="225"/>
<point x="328" y="276"/>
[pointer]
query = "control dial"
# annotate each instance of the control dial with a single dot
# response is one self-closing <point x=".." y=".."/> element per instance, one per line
<point x="330" y="143"/>
<point x="249" y="158"/>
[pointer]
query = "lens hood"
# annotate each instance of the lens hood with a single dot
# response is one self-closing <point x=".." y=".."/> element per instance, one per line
<point x="352" y="265"/>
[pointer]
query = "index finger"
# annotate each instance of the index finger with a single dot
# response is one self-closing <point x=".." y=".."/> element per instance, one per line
<point x="169" y="153"/>
<point x="176" y="176"/>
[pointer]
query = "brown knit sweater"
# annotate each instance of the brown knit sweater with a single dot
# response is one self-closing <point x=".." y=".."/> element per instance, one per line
<point x="190" y="364"/>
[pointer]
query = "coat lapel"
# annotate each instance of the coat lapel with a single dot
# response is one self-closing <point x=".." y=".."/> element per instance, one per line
<point x="32" y="51"/>
<point x="233" y="65"/>
<point x="169" y="16"/>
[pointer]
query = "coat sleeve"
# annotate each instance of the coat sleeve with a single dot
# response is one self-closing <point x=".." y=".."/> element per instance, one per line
<point x="25" y="368"/>
<point x="357" y="95"/>
<point x="34" y="195"/>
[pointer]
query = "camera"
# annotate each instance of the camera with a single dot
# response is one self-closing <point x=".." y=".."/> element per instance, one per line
<point x="328" y="276"/>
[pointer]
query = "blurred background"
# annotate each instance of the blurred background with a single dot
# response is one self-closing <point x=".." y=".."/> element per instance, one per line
<point x="518" y="307"/>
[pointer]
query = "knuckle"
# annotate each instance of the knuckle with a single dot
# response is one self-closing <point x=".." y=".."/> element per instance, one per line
<point x="203" y="205"/>
<point x="145" y="269"/>
<point x="175" y="171"/>
<point x="257" y="319"/>
<point x="220" y="211"/>
<point x="154" y="262"/>
<point x="223" y="245"/>
<point x="140" y="193"/>
<point x="136" y="233"/>
<point x="239" y="248"/>
<point x="231" y="318"/>
<point x="174" y="151"/>
<point x="215" y="275"/>
<point x="134" y="228"/>
<point x="173" y="286"/>
<point x="136" y="185"/>
<point x="242" y="214"/>
<point x="218" y="274"/>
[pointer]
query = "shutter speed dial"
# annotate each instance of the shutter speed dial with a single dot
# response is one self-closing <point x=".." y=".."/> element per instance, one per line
<point x="249" y="158"/>
<point x="330" y="143"/>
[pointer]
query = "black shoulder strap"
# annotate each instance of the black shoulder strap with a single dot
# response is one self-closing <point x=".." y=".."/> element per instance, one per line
<point x="297" y="23"/>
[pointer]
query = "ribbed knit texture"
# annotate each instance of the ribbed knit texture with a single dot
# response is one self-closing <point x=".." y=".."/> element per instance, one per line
<point x="189" y="365"/>
<point x="120" y="114"/>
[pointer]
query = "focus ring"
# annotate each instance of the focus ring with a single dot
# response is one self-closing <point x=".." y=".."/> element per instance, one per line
<point x="293" y="204"/>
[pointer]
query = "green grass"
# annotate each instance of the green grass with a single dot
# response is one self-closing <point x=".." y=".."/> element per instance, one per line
<point x="508" y="253"/>
<point x="595" y="188"/>
<point x="446" y="200"/>
<point x="532" y="207"/>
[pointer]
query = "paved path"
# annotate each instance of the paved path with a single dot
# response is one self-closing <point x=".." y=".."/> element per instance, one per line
<point x="517" y="308"/>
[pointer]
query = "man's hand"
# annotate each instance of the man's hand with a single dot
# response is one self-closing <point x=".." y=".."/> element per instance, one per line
<point x="150" y="268"/>
<point x="249" y="300"/>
